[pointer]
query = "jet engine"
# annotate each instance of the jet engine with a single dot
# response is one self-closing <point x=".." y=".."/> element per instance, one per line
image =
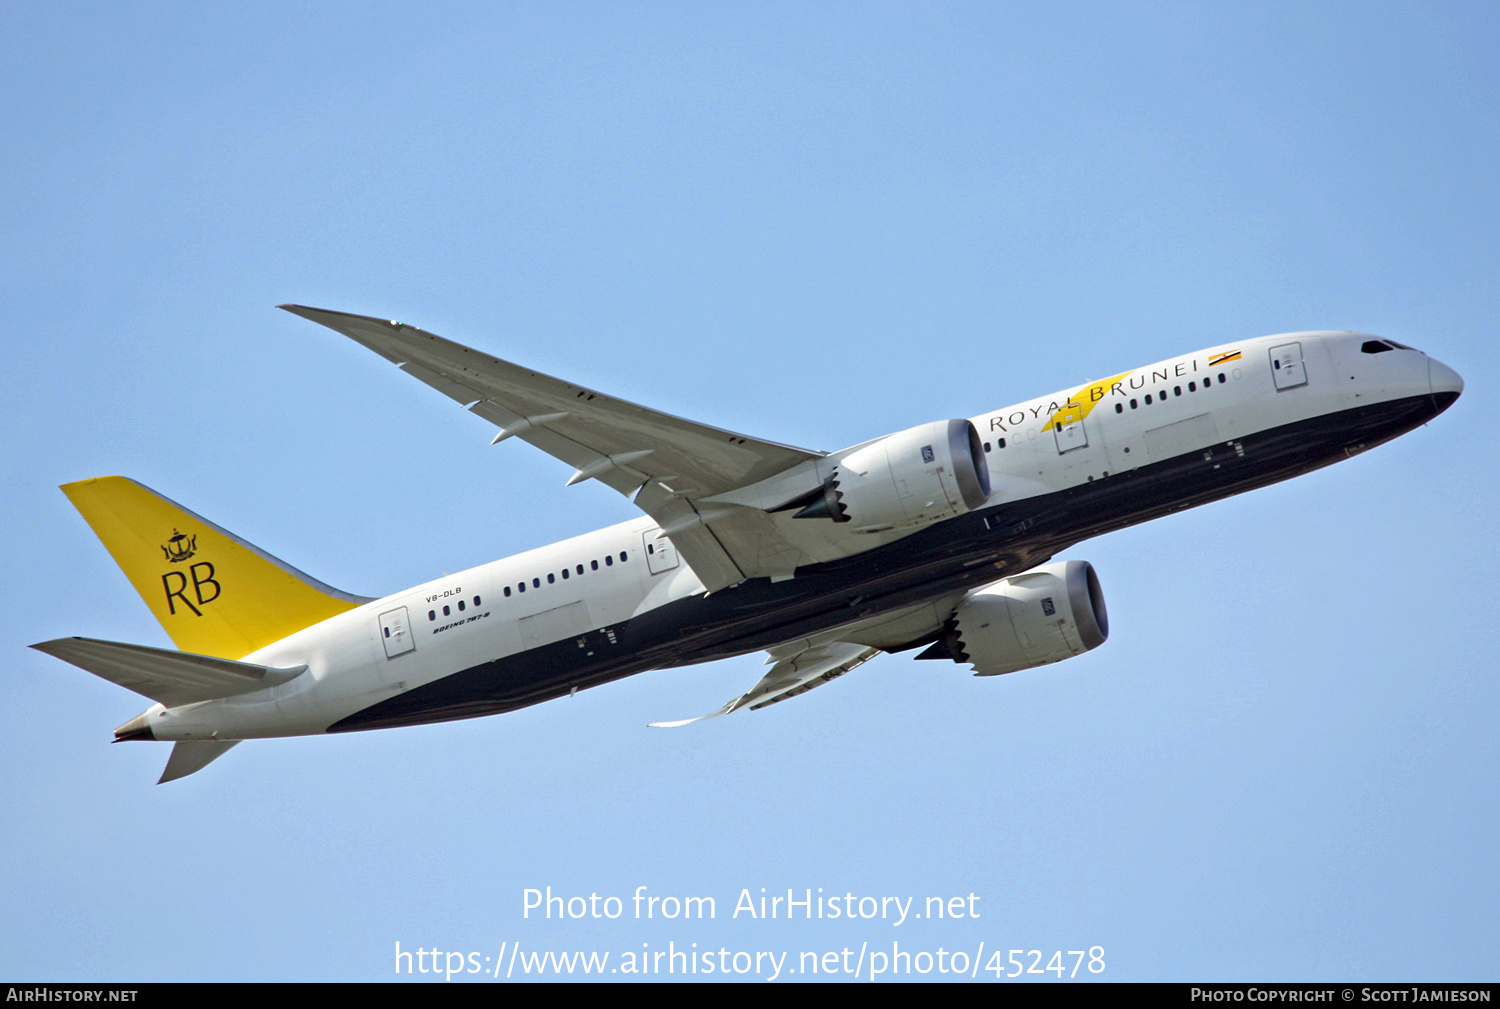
<point x="911" y="478"/>
<point x="1047" y="614"/>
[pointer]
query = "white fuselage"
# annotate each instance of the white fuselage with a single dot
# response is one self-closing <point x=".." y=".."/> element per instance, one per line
<point x="354" y="660"/>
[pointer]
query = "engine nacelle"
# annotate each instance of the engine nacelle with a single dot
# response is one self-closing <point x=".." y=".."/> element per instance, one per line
<point x="1047" y="614"/>
<point x="911" y="478"/>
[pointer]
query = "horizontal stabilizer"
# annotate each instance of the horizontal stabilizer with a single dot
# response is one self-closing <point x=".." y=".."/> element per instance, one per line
<point x="792" y="676"/>
<point x="192" y="755"/>
<point x="167" y="676"/>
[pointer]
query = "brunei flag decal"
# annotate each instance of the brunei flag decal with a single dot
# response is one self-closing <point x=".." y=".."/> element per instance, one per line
<point x="1214" y="362"/>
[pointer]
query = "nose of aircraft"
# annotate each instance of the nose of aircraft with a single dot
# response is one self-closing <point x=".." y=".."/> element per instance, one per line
<point x="1445" y="384"/>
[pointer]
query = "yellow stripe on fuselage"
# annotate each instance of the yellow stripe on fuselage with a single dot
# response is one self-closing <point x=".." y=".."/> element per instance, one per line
<point x="1083" y="400"/>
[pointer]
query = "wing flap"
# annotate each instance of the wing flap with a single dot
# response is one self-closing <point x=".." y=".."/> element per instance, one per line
<point x="455" y="391"/>
<point x="166" y="676"/>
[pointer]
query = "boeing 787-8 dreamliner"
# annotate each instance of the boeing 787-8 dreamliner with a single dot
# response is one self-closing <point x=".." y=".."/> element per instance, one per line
<point x="938" y="538"/>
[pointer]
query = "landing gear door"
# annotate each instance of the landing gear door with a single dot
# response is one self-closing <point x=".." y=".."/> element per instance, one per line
<point x="1067" y="426"/>
<point x="1287" y="369"/>
<point x="661" y="555"/>
<point x="395" y="633"/>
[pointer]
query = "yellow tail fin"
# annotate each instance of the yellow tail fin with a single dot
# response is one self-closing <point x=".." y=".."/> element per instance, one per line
<point x="214" y="593"/>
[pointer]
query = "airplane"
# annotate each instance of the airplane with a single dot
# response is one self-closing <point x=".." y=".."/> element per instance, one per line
<point x="939" y="538"/>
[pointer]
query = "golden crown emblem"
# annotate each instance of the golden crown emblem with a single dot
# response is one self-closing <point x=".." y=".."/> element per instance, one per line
<point x="180" y="547"/>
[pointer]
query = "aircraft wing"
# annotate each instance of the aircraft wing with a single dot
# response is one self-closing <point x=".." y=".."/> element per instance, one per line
<point x="668" y="465"/>
<point x="792" y="676"/>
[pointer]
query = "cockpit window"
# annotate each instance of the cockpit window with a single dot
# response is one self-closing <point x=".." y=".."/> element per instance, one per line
<point x="1375" y="347"/>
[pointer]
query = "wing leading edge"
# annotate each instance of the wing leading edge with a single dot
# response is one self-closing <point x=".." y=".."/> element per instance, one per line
<point x="667" y="465"/>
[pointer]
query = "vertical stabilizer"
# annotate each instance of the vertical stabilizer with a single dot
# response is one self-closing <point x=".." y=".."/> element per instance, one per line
<point x="214" y="593"/>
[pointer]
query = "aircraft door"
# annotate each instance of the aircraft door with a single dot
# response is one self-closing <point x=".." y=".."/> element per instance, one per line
<point x="395" y="633"/>
<point x="1287" y="369"/>
<point x="661" y="554"/>
<point x="1067" y="427"/>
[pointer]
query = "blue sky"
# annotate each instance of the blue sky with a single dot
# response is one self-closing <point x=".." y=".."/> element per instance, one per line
<point x="815" y="224"/>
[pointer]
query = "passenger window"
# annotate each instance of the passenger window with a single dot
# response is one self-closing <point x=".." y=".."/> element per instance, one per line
<point x="594" y="565"/>
<point x="446" y="611"/>
<point x="1192" y="387"/>
<point x="1148" y="399"/>
<point x="1134" y="405"/>
<point x="986" y="446"/>
<point x="608" y="561"/>
<point x="432" y="614"/>
<point x="1177" y="390"/>
<point x="623" y="557"/>
<point x="565" y="574"/>
<point x="460" y="606"/>
<point x="521" y="587"/>
<point x="536" y="583"/>
<point x="1001" y="443"/>
<point x="580" y="569"/>
<point x="476" y="600"/>
<point x="551" y="578"/>
<point x="1119" y="408"/>
<point x="1222" y="379"/>
<point x="507" y="592"/>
